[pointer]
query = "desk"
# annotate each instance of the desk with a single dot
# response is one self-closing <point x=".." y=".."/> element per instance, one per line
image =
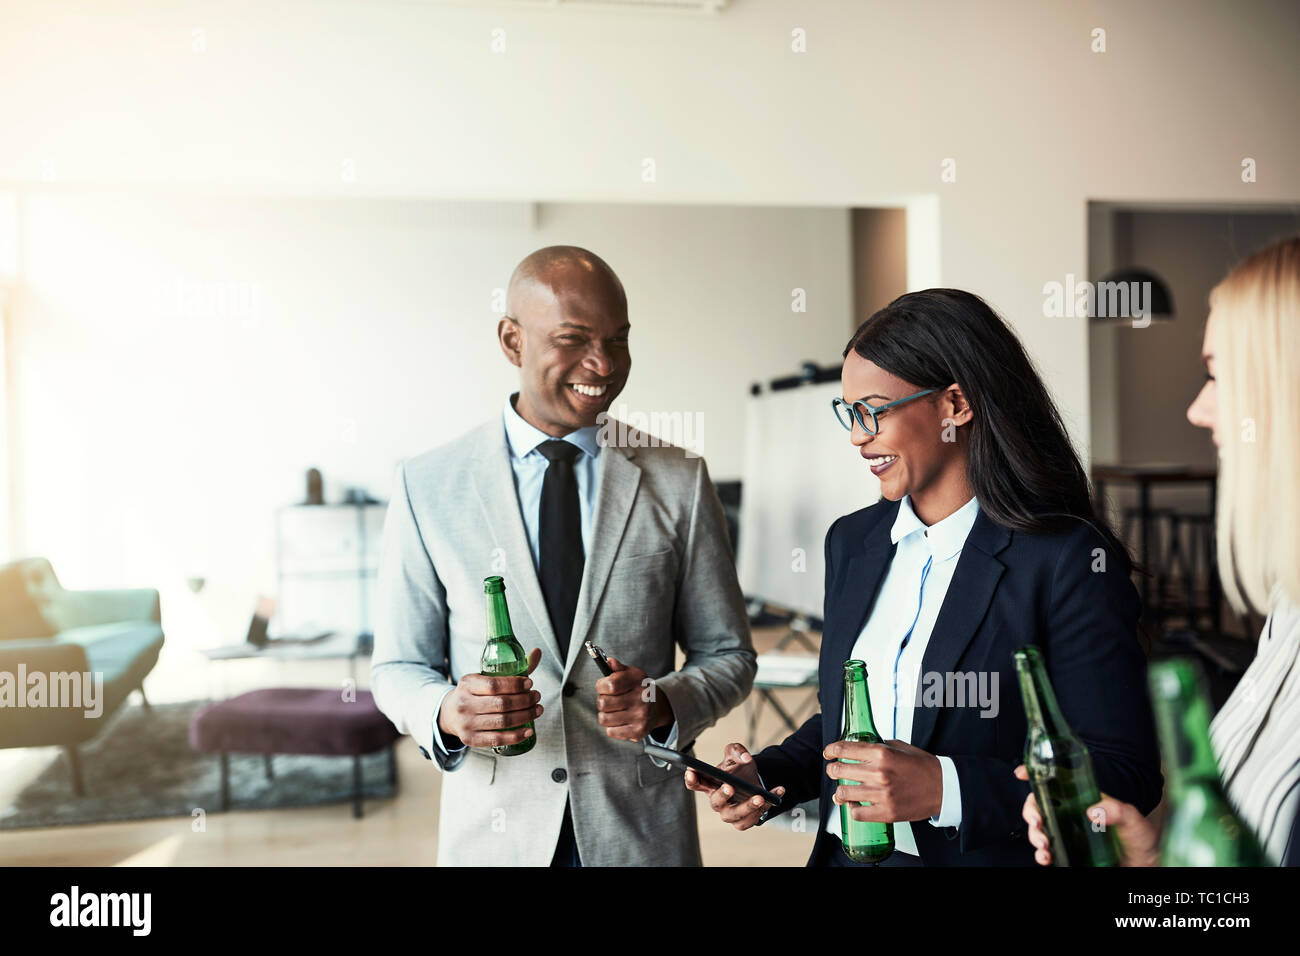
<point x="344" y="646"/>
<point x="781" y="672"/>
<point x="1145" y="477"/>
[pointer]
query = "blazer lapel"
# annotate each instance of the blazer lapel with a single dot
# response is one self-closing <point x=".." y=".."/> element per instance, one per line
<point x="494" y="483"/>
<point x="619" y="479"/>
<point x="964" y="606"/>
<point x="855" y="593"/>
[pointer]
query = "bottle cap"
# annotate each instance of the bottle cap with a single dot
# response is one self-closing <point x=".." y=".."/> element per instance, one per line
<point x="1029" y="654"/>
<point x="1174" y="678"/>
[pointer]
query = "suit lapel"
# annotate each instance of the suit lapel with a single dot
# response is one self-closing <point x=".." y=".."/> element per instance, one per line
<point x="971" y="590"/>
<point x="853" y="596"/>
<point x="494" y="483"/>
<point x="619" y="479"/>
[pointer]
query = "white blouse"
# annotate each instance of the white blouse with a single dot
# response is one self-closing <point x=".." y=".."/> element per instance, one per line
<point x="1256" y="735"/>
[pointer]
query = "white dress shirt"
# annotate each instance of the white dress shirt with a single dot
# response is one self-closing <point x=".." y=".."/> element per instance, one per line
<point x="894" y="639"/>
<point x="529" y="466"/>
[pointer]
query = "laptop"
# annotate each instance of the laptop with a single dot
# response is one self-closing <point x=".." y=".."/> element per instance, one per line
<point x="259" y="628"/>
<point x="259" y="638"/>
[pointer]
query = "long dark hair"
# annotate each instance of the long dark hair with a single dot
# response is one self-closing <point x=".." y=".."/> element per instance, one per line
<point x="1021" y="464"/>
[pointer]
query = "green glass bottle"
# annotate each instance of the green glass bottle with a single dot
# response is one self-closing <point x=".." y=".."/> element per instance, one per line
<point x="1202" y="829"/>
<point x="863" y="842"/>
<point x="1060" y="771"/>
<point x="504" y="656"/>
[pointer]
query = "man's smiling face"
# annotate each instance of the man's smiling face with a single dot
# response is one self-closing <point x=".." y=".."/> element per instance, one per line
<point x="567" y="330"/>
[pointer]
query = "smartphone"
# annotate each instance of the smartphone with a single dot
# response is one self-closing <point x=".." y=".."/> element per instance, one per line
<point x="599" y="657"/>
<point x="711" y="773"/>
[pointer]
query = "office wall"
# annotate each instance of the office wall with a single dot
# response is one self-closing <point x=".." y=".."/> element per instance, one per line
<point x="184" y="361"/>
<point x="427" y="100"/>
<point x="1161" y="372"/>
<point x="999" y="118"/>
<point x="1143" y="379"/>
<point x="879" y="259"/>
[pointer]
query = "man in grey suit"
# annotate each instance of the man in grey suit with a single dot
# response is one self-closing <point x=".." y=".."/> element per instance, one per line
<point x="620" y="542"/>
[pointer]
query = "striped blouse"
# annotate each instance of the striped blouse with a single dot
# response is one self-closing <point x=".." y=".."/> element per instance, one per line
<point x="1256" y="737"/>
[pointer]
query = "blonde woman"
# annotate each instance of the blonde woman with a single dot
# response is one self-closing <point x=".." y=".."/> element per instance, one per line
<point x="1251" y="404"/>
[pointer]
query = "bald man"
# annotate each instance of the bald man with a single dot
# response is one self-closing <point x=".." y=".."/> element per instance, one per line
<point x="621" y="544"/>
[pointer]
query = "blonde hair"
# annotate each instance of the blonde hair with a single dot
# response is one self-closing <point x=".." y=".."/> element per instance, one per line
<point x="1255" y="341"/>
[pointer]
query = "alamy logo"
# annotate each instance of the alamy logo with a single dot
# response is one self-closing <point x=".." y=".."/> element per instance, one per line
<point x="58" y="689"/>
<point x="959" y="689"/>
<point x="102" y="909"/>
<point x="639" y="430"/>
<point x="1102" y="300"/>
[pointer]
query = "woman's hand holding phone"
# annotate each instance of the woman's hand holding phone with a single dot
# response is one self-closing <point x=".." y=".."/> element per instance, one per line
<point x="733" y="808"/>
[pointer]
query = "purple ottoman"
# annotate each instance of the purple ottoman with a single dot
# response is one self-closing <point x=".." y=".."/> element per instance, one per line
<point x="295" y="720"/>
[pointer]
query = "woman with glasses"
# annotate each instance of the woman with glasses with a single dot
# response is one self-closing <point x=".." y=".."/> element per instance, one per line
<point x="1249" y="404"/>
<point x="984" y="541"/>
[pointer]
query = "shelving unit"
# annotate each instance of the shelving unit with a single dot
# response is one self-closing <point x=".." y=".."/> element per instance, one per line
<point x="327" y="559"/>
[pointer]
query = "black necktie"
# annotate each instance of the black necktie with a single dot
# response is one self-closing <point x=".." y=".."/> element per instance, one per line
<point x="560" y="556"/>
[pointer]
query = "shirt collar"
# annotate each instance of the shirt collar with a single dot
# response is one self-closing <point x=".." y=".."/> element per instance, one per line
<point x="945" y="538"/>
<point x="524" y="438"/>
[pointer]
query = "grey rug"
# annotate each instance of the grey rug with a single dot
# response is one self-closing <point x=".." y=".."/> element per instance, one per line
<point x="141" y="766"/>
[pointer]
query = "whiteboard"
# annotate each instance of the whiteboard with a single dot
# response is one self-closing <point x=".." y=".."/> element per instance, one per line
<point x="800" y="474"/>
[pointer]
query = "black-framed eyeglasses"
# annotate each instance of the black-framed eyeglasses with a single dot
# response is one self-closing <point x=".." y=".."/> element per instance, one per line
<point x="847" y="412"/>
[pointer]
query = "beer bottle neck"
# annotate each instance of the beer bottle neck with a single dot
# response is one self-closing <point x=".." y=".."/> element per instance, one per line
<point x="1184" y="723"/>
<point x="498" y="617"/>
<point x="857" y="704"/>
<point x="1041" y="710"/>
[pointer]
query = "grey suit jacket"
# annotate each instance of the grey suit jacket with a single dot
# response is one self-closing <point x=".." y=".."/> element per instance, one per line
<point x="660" y="573"/>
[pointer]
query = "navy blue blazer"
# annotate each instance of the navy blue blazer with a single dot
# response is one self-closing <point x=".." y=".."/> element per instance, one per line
<point x="1009" y="589"/>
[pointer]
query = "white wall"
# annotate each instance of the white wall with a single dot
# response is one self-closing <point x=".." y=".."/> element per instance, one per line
<point x="184" y="361"/>
<point x="401" y="99"/>
<point x="408" y="99"/>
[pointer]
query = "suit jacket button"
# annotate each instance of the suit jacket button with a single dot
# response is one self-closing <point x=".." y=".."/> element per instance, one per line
<point x="559" y="775"/>
<point x="570" y="690"/>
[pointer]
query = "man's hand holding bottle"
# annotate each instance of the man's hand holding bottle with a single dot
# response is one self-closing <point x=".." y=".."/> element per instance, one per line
<point x="480" y="709"/>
